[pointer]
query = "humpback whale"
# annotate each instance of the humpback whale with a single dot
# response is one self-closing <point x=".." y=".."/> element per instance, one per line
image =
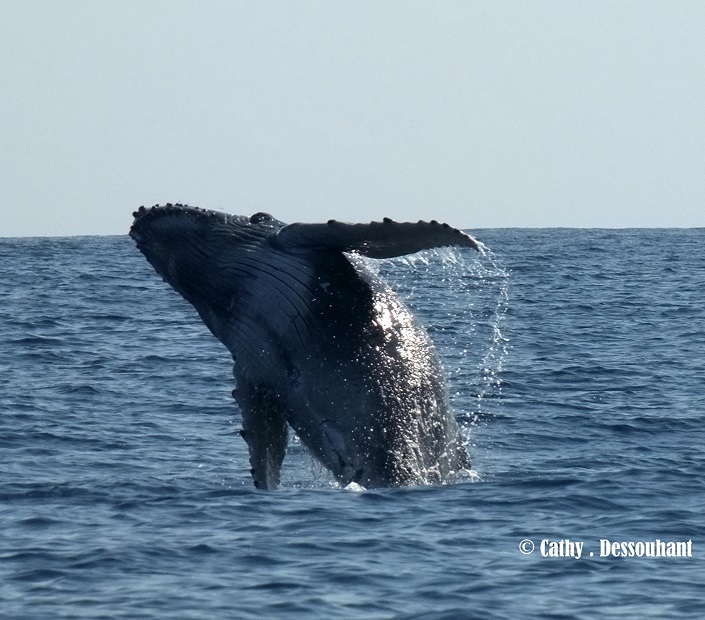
<point x="319" y="342"/>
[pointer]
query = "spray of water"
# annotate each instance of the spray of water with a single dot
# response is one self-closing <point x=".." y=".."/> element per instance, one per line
<point x="461" y="297"/>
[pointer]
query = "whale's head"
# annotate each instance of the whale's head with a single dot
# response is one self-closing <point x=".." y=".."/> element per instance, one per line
<point x="184" y="243"/>
<point x="198" y="251"/>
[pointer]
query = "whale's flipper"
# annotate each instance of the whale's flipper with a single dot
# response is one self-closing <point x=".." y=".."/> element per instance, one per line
<point x="265" y="430"/>
<point x="384" y="239"/>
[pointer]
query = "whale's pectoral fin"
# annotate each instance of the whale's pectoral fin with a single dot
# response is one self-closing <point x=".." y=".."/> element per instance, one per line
<point x="265" y="430"/>
<point x="376" y="240"/>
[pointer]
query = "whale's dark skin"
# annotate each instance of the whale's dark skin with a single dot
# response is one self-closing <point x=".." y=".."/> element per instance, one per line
<point x="319" y="342"/>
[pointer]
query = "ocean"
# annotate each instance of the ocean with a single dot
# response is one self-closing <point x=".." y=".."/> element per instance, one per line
<point x="576" y="366"/>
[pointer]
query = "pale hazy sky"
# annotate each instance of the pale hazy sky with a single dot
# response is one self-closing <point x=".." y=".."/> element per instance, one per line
<point x="481" y="114"/>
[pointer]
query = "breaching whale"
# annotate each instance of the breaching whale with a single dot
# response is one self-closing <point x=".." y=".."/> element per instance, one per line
<point x="319" y="342"/>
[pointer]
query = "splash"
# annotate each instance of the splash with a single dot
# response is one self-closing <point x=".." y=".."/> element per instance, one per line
<point x="461" y="298"/>
<point x="495" y="282"/>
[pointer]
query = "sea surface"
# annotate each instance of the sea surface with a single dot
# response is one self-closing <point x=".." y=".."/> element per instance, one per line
<point x="576" y="365"/>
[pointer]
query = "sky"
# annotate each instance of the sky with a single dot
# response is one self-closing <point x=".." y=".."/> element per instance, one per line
<point x="482" y="114"/>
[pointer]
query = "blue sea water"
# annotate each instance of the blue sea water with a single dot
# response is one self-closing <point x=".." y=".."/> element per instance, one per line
<point x="576" y="364"/>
